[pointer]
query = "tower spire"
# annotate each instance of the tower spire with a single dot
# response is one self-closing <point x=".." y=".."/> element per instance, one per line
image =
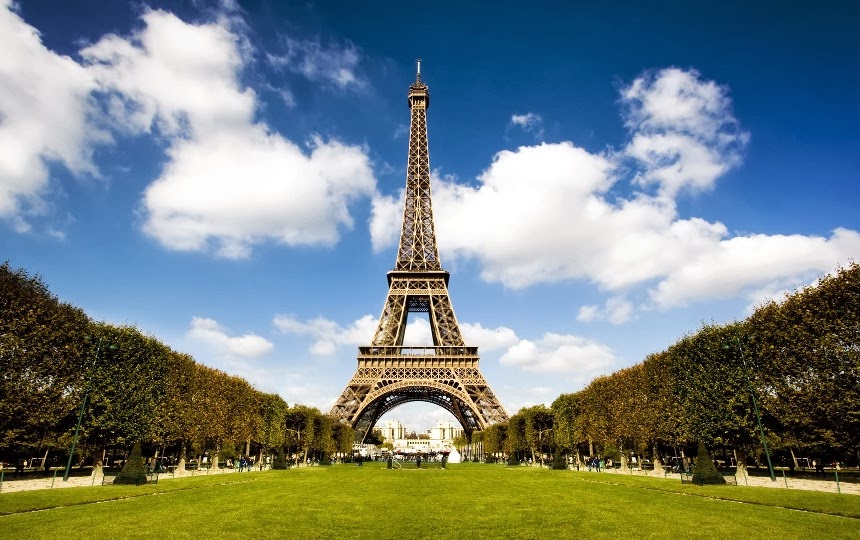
<point x="417" y="249"/>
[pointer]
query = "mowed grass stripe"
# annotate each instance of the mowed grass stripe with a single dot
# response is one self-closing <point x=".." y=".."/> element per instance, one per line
<point x="464" y="501"/>
<point x="794" y="499"/>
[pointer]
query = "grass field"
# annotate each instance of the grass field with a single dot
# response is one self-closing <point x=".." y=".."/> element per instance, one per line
<point x="462" y="501"/>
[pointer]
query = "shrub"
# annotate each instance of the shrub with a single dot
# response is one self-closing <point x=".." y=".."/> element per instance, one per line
<point x="134" y="469"/>
<point x="280" y="462"/>
<point x="558" y="461"/>
<point x="513" y="461"/>
<point x="705" y="472"/>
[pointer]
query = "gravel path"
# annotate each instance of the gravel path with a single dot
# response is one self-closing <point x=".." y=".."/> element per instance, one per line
<point x="11" y="485"/>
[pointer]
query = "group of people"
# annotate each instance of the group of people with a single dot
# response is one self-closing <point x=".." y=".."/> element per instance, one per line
<point x="245" y="463"/>
<point x="594" y="463"/>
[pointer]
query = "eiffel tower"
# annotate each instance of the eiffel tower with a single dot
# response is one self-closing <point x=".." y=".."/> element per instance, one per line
<point x="446" y="373"/>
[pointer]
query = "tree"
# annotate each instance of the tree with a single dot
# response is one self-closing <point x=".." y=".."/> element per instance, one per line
<point x="43" y="363"/>
<point x="537" y="430"/>
<point x="515" y="441"/>
<point x="495" y="437"/>
<point x="343" y="436"/>
<point x="565" y="409"/>
<point x="710" y="384"/>
<point x="300" y="428"/>
<point x="273" y="410"/>
<point x="128" y="385"/>
<point x="805" y="356"/>
<point x="661" y="411"/>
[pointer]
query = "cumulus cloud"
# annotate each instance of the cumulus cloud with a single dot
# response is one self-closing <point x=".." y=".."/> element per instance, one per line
<point x="555" y="212"/>
<point x="230" y="182"/>
<point x="684" y="133"/>
<point x="488" y="339"/>
<point x="46" y="117"/>
<point x="327" y="335"/>
<point x="556" y="353"/>
<point x="209" y="333"/>
<point x="735" y="264"/>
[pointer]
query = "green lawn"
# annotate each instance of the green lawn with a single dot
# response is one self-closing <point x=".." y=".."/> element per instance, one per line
<point x="462" y="501"/>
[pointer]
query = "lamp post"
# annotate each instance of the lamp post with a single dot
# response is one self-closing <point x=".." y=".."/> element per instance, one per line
<point x="83" y="407"/>
<point x="755" y="406"/>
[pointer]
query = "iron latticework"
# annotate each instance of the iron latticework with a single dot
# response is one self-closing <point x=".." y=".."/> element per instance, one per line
<point x="446" y="373"/>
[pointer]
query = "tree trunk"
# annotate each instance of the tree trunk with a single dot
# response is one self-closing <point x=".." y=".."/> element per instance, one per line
<point x="183" y="453"/>
<point x="98" y="464"/>
<point x="590" y="447"/>
<point x="655" y="458"/>
<point x="741" y="459"/>
<point x="214" y="464"/>
<point x="793" y="457"/>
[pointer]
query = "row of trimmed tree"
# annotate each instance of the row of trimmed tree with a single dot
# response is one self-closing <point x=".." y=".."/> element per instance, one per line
<point x="798" y="358"/>
<point x="55" y="362"/>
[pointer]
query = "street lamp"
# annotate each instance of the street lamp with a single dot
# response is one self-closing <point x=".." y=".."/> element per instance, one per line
<point x="83" y="407"/>
<point x="755" y="406"/>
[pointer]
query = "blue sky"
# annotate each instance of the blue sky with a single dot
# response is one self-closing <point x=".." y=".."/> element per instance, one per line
<point x="607" y="175"/>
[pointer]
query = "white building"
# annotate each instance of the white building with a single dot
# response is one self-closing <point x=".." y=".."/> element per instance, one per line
<point x="439" y="437"/>
<point x="391" y="431"/>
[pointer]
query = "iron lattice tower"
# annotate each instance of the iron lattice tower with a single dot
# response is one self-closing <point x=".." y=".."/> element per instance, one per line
<point x="446" y="373"/>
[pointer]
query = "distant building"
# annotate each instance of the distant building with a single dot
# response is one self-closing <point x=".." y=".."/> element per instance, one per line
<point x="391" y="431"/>
<point x="439" y="437"/>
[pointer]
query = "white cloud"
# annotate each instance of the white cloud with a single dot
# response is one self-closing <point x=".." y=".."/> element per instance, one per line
<point x="616" y="310"/>
<point x="683" y="131"/>
<point x="555" y="353"/>
<point x="554" y="212"/>
<point x="529" y="122"/>
<point x="588" y="313"/>
<point x="46" y="117"/>
<point x="328" y="335"/>
<point x="230" y="182"/>
<point x="737" y="264"/>
<point x="333" y="64"/>
<point x="386" y="219"/>
<point x="238" y="188"/>
<point x="209" y="333"/>
<point x="487" y="339"/>
<point x="180" y="77"/>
